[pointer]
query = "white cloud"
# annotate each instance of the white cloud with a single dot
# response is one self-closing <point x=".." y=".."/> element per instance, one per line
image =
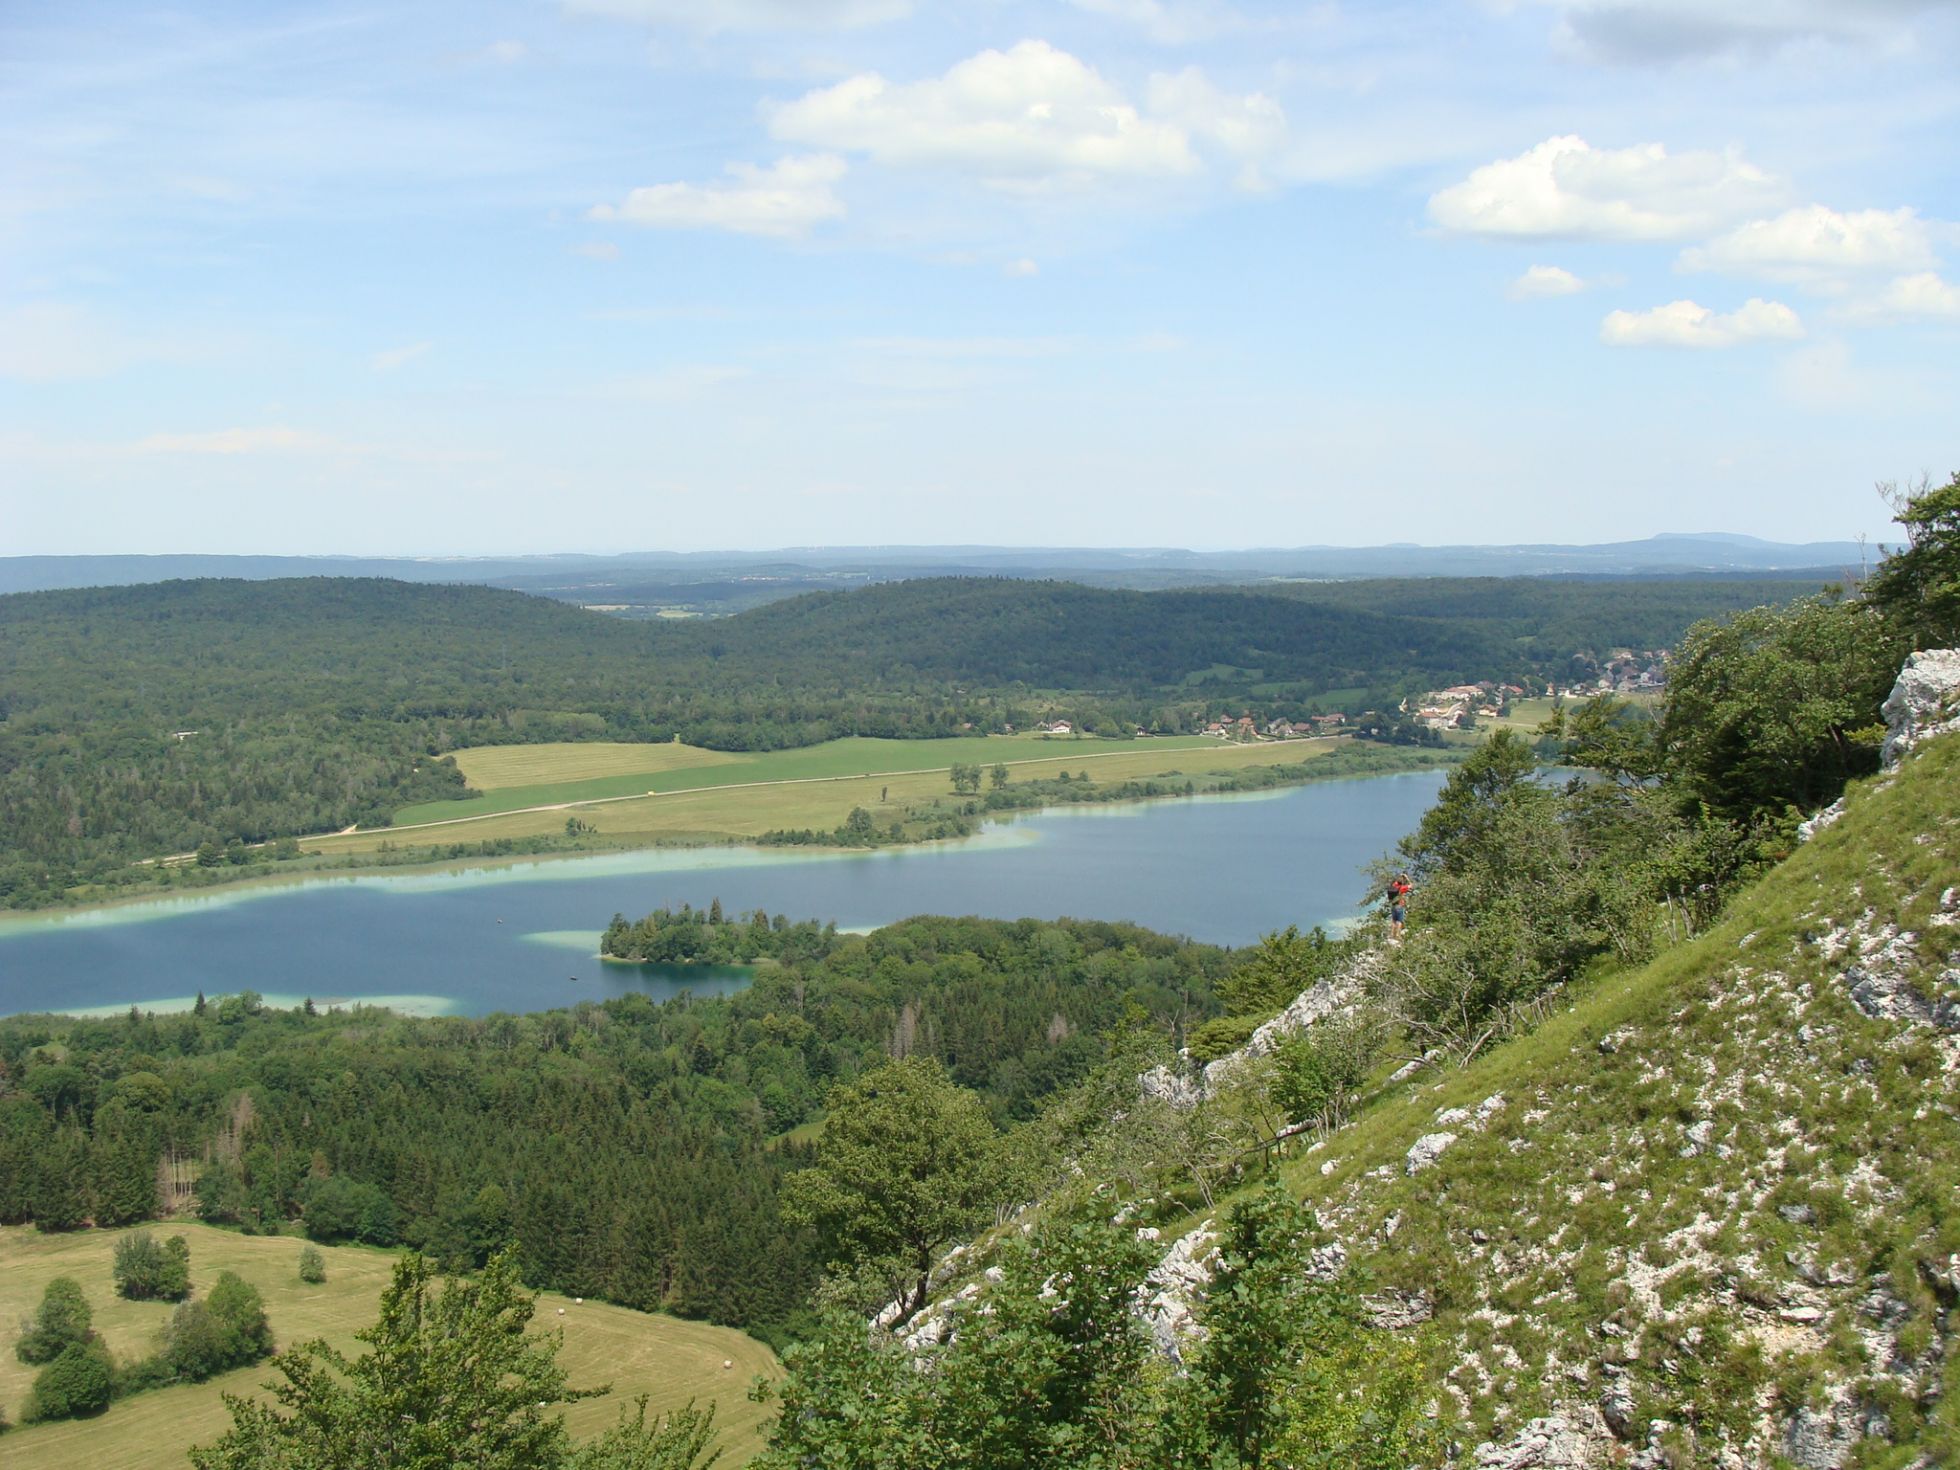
<point x="1689" y="324"/>
<point x="712" y="16"/>
<point x="1564" y="189"/>
<point x="1919" y="297"/>
<point x="1028" y="116"/>
<point x="603" y="250"/>
<point x="1249" y="127"/>
<point x="1545" y="280"/>
<point x="395" y="357"/>
<point x="1817" y="242"/>
<point x="1658" y="32"/>
<point x="784" y="200"/>
<point x="1021" y="267"/>
<point x="269" y="440"/>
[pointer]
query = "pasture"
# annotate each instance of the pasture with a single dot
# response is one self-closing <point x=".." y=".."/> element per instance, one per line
<point x="732" y="802"/>
<point x="666" y="1358"/>
<point x="553" y="775"/>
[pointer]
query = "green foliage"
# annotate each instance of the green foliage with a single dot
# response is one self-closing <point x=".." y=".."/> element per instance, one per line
<point x="340" y="1208"/>
<point x="312" y="1266"/>
<point x="146" y="1272"/>
<point x="449" y="1378"/>
<point x="1212" y="1039"/>
<point x="1779" y="706"/>
<point x="61" y="1321"/>
<point x="680" y="1439"/>
<point x="1917" y="587"/>
<point x="709" y="937"/>
<point x="320" y="702"/>
<point x="966" y="778"/>
<point x="1054" y="1366"/>
<point x="1268" y="977"/>
<point x="226" y="1330"/>
<point x="75" y="1385"/>
<point x="908" y="1162"/>
<point x="1318" y="1073"/>
<point x="632" y="1152"/>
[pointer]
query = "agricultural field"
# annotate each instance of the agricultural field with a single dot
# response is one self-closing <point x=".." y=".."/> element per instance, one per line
<point x="666" y="1358"/>
<point x="815" y="787"/>
<point x="518" y="776"/>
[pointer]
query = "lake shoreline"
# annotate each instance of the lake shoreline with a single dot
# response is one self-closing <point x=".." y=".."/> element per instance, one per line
<point x="363" y="869"/>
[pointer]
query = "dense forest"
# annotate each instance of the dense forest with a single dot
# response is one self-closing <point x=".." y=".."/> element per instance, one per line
<point x="630" y="1151"/>
<point x="140" y="721"/>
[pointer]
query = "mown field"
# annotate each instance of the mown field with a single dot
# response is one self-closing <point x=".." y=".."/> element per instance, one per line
<point x="726" y="806"/>
<point x="668" y="1359"/>
<point x="513" y="777"/>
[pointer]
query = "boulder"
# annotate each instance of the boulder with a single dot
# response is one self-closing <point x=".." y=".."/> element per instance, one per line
<point x="1425" y="1151"/>
<point x="1923" y="703"/>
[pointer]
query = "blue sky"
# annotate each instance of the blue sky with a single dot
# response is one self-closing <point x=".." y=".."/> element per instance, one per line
<point x="686" y="274"/>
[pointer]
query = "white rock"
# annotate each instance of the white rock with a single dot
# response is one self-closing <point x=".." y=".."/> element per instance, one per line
<point x="1923" y="703"/>
<point x="1425" y="1151"/>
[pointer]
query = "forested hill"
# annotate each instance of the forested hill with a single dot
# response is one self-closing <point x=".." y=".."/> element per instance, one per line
<point x="151" y="719"/>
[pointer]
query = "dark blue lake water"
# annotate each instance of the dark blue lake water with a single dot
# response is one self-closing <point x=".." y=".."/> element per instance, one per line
<point x="525" y="937"/>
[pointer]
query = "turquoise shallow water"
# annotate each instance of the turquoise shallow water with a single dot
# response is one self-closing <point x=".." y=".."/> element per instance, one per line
<point x="524" y="937"/>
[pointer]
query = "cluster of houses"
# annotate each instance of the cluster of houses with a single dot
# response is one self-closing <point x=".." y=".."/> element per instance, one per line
<point x="1247" y="728"/>
<point x="1458" y="707"/>
<point x="1622" y="671"/>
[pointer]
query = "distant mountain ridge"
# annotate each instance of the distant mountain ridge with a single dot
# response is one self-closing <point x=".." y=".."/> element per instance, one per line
<point x="580" y="577"/>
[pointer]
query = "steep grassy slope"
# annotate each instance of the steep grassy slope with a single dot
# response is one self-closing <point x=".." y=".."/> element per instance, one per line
<point x="1710" y="1214"/>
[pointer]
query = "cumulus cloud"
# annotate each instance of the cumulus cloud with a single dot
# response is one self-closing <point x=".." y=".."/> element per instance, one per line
<point x="1689" y="324"/>
<point x="1025" y="117"/>
<point x="1545" y="280"/>
<point x="1565" y="189"/>
<point x="1021" y="267"/>
<point x="783" y="200"/>
<point x="1922" y="296"/>
<point x="270" y="440"/>
<point x="603" y="250"/>
<point x="1660" y="32"/>
<point x="395" y="357"/>
<point x="1817" y="242"/>
<point x="1248" y="127"/>
<point x="711" y="16"/>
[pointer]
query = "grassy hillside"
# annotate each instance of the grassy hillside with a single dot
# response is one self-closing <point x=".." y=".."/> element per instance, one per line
<point x="1715" y="1195"/>
<point x="668" y="1359"/>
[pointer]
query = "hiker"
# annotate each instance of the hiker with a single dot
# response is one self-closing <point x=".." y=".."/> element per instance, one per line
<point x="1399" y="889"/>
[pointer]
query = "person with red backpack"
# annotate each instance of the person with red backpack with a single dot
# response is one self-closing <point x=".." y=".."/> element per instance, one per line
<point x="1399" y="889"/>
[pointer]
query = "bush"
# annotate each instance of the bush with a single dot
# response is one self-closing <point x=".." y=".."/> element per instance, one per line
<point x="61" y="1322"/>
<point x="1215" y="1037"/>
<point x="75" y="1385"/>
<point x="312" y="1266"/>
<point x="146" y="1271"/>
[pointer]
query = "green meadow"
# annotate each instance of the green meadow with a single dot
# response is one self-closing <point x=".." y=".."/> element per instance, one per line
<point x="514" y="777"/>
<point x="668" y="1359"/>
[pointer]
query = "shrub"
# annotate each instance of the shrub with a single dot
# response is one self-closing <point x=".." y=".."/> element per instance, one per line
<point x="62" y="1321"/>
<point x="312" y="1266"/>
<point x="75" y="1385"/>
<point x="146" y="1271"/>
<point x="1219" y="1035"/>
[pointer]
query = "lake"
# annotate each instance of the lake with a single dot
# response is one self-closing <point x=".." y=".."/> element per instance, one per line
<point x="525" y="936"/>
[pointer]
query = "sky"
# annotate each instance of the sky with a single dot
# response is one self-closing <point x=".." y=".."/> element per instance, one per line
<point x="523" y="276"/>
